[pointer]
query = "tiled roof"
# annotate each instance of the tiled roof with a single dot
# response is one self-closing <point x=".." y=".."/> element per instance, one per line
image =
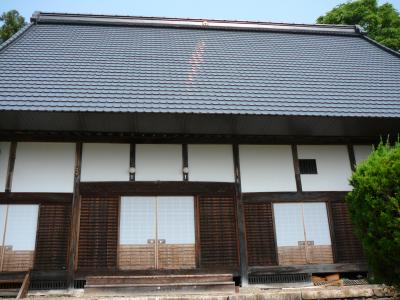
<point x="121" y="64"/>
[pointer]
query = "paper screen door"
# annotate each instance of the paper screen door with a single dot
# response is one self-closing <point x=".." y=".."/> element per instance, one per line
<point x="157" y="233"/>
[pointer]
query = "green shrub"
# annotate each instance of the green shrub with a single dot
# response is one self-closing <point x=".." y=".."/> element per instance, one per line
<point x="374" y="206"/>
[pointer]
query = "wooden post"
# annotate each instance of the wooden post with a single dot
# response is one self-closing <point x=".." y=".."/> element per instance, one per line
<point x="75" y="216"/>
<point x="132" y="161"/>
<point x="296" y="168"/>
<point x="10" y="169"/>
<point x="185" y="161"/>
<point x="23" y="291"/>
<point x="240" y="219"/>
<point x="352" y="157"/>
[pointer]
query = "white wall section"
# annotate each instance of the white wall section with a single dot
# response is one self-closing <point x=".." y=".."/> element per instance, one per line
<point x="158" y="162"/>
<point x="105" y="162"/>
<point x="4" y="155"/>
<point x="44" y="167"/>
<point x="361" y="152"/>
<point x="333" y="167"/>
<point x="211" y="163"/>
<point x="267" y="168"/>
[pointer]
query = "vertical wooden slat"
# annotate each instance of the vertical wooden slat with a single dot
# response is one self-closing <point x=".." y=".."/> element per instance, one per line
<point x="243" y="258"/>
<point x="218" y="234"/>
<point x="52" y="237"/>
<point x="75" y="214"/>
<point x="10" y="168"/>
<point x="132" y="161"/>
<point x="260" y="233"/>
<point x="352" y="156"/>
<point x="98" y="236"/>
<point x="347" y="246"/>
<point x="185" y="161"/>
<point x="296" y="166"/>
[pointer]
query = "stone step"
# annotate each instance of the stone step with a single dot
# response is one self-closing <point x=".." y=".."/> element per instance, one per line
<point x="162" y="288"/>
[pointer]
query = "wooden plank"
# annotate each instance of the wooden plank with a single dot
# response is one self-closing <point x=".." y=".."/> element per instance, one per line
<point x="311" y="268"/>
<point x="75" y="216"/>
<point x="23" y="291"/>
<point x="296" y="168"/>
<point x="35" y="198"/>
<point x="295" y="197"/>
<point x="10" y="168"/>
<point x="185" y="161"/>
<point x="132" y="161"/>
<point x="243" y="255"/>
<point x="173" y="188"/>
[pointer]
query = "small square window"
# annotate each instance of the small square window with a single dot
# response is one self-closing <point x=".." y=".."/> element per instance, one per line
<point x="308" y="166"/>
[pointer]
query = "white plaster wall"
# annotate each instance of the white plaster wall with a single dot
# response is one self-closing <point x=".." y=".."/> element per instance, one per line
<point x="44" y="167"/>
<point x="267" y="168"/>
<point x="158" y="162"/>
<point x="333" y="167"/>
<point x="4" y="155"/>
<point x="105" y="162"/>
<point x="211" y="163"/>
<point x="361" y="152"/>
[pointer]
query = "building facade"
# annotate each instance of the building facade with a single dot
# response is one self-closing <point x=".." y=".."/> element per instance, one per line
<point x="154" y="146"/>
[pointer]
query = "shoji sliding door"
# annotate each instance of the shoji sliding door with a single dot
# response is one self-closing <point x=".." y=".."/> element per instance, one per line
<point x="302" y="233"/>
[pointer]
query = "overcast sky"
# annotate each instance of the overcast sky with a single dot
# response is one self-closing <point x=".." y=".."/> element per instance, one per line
<point x="296" y="11"/>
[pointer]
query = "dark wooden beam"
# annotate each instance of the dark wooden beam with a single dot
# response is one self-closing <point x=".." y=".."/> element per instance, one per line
<point x="295" y="197"/>
<point x="10" y="168"/>
<point x="35" y="198"/>
<point x="170" y="188"/>
<point x="132" y="161"/>
<point x="185" y="162"/>
<point x="179" y="138"/>
<point x="311" y="268"/>
<point x="240" y="218"/>
<point x="75" y="216"/>
<point x="352" y="156"/>
<point x="296" y="166"/>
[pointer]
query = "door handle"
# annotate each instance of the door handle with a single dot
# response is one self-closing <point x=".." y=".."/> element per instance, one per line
<point x="151" y="241"/>
<point x="162" y="241"/>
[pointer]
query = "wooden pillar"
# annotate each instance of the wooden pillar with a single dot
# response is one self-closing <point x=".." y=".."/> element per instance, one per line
<point x="10" y="168"/>
<point x="132" y="161"/>
<point x="296" y="168"/>
<point x="240" y="219"/>
<point x="185" y="162"/>
<point x="352" y="156"/>
<point x="75" y="216"/>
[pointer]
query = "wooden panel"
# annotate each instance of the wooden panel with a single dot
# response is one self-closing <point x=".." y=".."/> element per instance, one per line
<point x="299" y="255"/>
<point x="98" y="235"/>
<point x="261" y="247"/>
<point x="52" y="236"/>
<point x="136" y="257"/>
<point x="17" y="260"/>
<point x="218" y="234"/>
<point x="346" y="244"/>
<point x="176" y="256"/>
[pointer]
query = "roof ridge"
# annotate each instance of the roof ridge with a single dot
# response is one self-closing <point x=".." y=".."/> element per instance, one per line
<point x="98" y="19"/>
<point x="14" y="37"/>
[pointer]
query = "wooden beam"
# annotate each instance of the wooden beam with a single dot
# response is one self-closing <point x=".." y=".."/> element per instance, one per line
<point x="10" y="168"/>
<point x="185" y="161"/>
<point x="296" y="166"/>
<point x="240" y="218"/>
<point x="23" y="291"/>
<point x="311" y="268"/>
<point x="352" y="157"/>
<point x="35" y="198"/>
<point x="132" y="161"/>
<point x="75" y="216"/>
<point x="294" y="197"/>
<point x="153" y="188"/>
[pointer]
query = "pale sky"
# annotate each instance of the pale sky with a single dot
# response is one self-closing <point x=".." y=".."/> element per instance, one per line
<point x="294" y="11"/>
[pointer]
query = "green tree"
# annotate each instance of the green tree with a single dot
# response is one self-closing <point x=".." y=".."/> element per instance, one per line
<point x="374" y="206"/>
<point x="12" y="22"/>
<point x="382" y="23"/>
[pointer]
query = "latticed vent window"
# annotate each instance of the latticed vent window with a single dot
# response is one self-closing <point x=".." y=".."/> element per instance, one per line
<point x="308" y="166"/>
